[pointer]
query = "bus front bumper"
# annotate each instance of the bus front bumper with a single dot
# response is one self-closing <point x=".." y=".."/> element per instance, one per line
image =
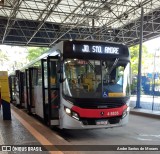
<point x="69" y="122"/>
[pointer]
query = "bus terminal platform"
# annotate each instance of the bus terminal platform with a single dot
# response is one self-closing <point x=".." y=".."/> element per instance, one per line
<point x="145" y="112"/>
<point x="25" y="130"/>
<point x="150" y="106"/>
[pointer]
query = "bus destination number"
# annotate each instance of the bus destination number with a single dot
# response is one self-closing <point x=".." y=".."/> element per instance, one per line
<point x="100" y="49"/>
<point x="114" y="113"/>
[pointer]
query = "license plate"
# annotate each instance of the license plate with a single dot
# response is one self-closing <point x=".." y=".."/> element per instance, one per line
<point x="101" y="122"/>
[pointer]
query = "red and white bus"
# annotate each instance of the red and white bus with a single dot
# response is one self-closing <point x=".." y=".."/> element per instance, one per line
<point x="77" y="85"/>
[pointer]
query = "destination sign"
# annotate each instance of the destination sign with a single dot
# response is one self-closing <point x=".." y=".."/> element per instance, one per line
<point x="99" y="49"/>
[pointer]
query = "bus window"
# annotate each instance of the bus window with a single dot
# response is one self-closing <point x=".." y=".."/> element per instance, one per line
<point x="93" y="78"/>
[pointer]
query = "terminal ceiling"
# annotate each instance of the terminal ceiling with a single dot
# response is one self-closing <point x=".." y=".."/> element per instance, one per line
<point x="44" y="22"/>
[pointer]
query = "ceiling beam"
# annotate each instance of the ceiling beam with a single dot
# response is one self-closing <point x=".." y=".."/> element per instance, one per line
<point x="12" y="15"/>
<point x="44" y="20"/>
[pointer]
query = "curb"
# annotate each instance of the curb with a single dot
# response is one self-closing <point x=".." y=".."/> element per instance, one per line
<point x="145" y="114"/>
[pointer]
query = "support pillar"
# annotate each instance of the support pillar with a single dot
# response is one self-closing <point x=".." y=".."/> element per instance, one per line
<point x="140" y="63"/>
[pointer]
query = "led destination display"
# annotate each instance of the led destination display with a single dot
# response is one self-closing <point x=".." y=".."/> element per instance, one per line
<point x="95" y="50"/>
<point x="101" y="49"/>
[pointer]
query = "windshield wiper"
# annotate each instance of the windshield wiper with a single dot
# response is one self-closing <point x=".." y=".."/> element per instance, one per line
<point x="113" y="66"/>
<point x="92" y="66"/>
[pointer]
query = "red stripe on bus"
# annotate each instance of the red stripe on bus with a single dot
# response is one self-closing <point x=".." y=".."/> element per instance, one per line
<point x="99" y="113"/>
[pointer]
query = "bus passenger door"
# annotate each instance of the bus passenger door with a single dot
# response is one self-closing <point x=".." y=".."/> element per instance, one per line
<point x="30" y="76"/>
<point x="20" y="77"/>
<point x="27" y="93"/>
<point x="53" y="90"/>
<point x="50" y="90"/>
<point x="45" y="90"/>
<point x="12" y="87"/>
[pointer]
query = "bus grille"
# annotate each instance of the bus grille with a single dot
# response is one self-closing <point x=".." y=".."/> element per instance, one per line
<point x="100" y="106"/>
<point x="87" y="121"/>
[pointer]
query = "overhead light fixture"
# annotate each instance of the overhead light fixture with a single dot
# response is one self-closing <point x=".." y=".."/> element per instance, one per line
<point x="103" y="1"/>
<point x="109" y="30"/>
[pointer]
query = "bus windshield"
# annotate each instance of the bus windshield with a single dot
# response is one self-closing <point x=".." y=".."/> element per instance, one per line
<point x="95" y="78"/>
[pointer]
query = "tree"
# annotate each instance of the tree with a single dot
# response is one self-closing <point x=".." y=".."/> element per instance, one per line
<point x="12" y="57"/>
<point x="146" y="64"/>
<point x="3" y="59"/>
<point x="134" y="52"/>
<point x="35" y="52"/>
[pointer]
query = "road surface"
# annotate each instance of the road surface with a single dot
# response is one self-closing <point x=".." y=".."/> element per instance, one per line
<point x="139" y="131"/>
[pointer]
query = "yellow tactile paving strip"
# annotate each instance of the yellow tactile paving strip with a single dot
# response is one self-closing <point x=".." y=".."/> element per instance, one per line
<point x="34" y="132"/>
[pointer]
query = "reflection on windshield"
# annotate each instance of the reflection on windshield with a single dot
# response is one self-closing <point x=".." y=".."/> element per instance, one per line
<point x="96" y="79"/>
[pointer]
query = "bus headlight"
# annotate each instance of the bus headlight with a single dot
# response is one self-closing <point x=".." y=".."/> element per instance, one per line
<point x="71" y="113"/>
<point x="68" y="111"/>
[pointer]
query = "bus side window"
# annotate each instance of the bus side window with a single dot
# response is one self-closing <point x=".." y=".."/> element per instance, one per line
<point x="53" y="81"/>
<point x="53" y="74"/>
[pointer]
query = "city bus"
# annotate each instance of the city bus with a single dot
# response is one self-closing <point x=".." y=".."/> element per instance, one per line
<point x="77" y="85"/>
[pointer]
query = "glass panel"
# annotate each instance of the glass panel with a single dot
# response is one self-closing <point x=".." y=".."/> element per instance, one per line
<point x="34" y="76"/>
<point x="115" y="78"/>
<point x="38" y="75"/>
<point x="45" y="75"/>
<point x="82" y="77"/>
<point x="96" y="79"/>
<point x="27" y="72"/>
<point x="53" y="73"/>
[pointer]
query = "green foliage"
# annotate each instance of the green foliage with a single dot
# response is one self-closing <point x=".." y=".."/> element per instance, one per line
<point x="12" y="58"/>
<point x="3" y="56"/>
<point x="35" y="52"/>
<point x="146" y="62"/>
<point x="3" y="59"/>
<point x="134" y="52"/>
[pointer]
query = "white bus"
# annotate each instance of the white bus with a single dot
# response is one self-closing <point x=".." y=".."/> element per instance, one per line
<point x="79" y="85"/>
